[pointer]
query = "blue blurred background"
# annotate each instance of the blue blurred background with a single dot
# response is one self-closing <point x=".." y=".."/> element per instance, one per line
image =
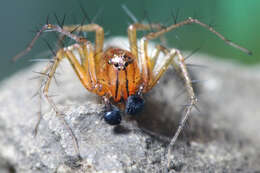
<point x="238" y="20"/>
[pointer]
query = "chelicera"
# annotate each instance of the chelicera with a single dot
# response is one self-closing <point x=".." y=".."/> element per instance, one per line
<point x="119" y="75"/>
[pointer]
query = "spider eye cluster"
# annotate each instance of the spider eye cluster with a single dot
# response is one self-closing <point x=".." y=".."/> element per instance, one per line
<point x="120" y="62"/>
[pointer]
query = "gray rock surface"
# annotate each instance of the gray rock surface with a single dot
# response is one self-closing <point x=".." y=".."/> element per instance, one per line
<point x="223" y="137"/>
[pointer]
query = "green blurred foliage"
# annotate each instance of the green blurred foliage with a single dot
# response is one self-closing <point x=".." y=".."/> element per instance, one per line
<point x="236" y="19"/>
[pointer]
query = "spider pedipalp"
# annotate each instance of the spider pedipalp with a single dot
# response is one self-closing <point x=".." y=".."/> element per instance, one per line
<point x="134" y="104"/>
<point x="113" y="116"/>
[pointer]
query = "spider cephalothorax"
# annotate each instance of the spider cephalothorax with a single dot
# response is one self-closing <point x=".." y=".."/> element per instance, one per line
<point x="117" y="74"/>
<point x="120" y="74"/>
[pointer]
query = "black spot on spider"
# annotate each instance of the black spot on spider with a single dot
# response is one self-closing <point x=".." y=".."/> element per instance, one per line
<point x="113" y="117"/>
<point x="134" y="104"/>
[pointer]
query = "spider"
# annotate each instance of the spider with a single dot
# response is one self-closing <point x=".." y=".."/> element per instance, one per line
<point x="119" y="75"/>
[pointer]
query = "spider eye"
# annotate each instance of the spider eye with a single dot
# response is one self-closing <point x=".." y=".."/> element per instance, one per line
<point x="126" y="64"/>
<point x="116" y="64"/>
<point x="134" y="104"/>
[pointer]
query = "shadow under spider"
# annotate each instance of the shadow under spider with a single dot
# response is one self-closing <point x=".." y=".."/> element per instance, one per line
<point x="162" y="117"/>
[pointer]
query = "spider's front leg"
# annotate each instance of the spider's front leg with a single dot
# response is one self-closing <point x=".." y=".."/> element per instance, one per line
<point x="91" y="59"/>
<point x="146" y="65"/>
<point x="135" y="102"/>
<point x="82" y="75"/>
<point x="99" y="40"/>
<point x="48" y="28"/>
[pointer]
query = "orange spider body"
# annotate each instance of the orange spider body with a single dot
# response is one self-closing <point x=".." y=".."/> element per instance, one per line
<point x="117" y="74"/>
<point x="120" y="74"/>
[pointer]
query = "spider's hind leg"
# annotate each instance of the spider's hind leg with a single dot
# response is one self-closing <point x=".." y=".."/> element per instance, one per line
<point x="183" y="72"/>
<point x="158" y="69"/>
<point x="39" y="93"/>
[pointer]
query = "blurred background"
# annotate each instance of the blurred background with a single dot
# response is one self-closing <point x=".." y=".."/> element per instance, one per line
<point x="238" y="20"/>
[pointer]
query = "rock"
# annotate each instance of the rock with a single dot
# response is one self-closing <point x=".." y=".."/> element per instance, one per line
<point x="223" y="137"/>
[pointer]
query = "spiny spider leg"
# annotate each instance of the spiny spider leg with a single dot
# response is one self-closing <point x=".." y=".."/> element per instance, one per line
<point x="181" y="69"/>
<point x="87" y="54"/>
<point x="49" y="28"/>
<point x="160" y="48"/>
<point x="79" y="70"/>
<point x="153" y="78"/>
<point x="149" y="63"/>
<point x="159" y="68"/>
<point x="99" y="33"/>
<point x="193" y="102"/>
<point x="39" y="92"/>
<point x="190" y="20"/>
<point x="146" y="65"/>
<point x="99" y="42"/>
<point x="133" y="37"/>
<point x="183" y="73"/>
<point x="159" y="71"/>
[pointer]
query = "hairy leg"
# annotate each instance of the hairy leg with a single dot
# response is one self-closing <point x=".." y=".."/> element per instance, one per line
<point x="79" y="70"/>
<point x="190" y="20"/>
<point x="90" y="28"/>
<point x="43" y="76"/>
<point x="99" y="41"/>
<point x="160" y="68"/>
<point x="143" y="60"/>
<point x="49" y="28"/>
<point x="193" y="101"/>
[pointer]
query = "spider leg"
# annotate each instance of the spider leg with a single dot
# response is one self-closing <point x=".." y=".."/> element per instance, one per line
<point x="160" y="48"/>
<point x="79" y="70"/>
<point x="190" y="20"/>
<point x="39" y="113"/>
<point x="99" y="42"/>
<point x="133" y="37"/>
<point x="90" y="57"/>
<point x="143" y="60"/>
<point x="159" y="68"/>
<point x="90" y="28"/>
<point x="193" y="101"/>
<point x="180" y="68"/>
<point x="49" y="28"/>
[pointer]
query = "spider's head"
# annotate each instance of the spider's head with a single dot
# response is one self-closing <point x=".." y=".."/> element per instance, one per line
<point x="120" y="59"/>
